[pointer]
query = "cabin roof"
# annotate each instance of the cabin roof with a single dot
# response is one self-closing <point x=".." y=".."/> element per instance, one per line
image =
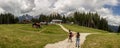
<point x="56" y="20"/>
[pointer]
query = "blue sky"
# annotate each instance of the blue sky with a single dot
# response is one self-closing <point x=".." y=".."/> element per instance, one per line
<point x="115" y="9"/>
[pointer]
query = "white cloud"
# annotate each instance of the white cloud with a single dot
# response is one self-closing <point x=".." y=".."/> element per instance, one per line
<point x="104" y="11"/>
<point x="17" y="7"/>
<point x="1" y="10"/>
<point x="113" y="20"/>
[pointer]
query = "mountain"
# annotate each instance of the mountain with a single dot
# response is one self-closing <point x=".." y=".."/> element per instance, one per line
<point x="37" y="17"/>
<point x="113" y="28"/>
<point x="25" y="17"/>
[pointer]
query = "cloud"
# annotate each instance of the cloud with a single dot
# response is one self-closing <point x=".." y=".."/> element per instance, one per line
<point x="113" y="20"/>
<point x="17" y="6"/>
<point x="41" y="7"/>
<point x="1" y="10"/>
<point x="45" y="6"/>
<point x="36" y="7"/>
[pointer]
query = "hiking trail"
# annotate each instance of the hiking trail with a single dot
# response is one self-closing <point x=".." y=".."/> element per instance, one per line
<point x="65" y="43"/>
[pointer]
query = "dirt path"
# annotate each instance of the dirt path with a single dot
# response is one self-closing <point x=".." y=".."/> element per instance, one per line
<point x="65" y="43"/>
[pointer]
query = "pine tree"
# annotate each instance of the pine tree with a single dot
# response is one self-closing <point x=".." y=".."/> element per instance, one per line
<point x="92" y="20"/>
<point x="7" y="18"/>
<point x="119" y="29"/>
<point x="42" y="18"/>
<point x="16" y="20"/>
<point x="64" y="19"/>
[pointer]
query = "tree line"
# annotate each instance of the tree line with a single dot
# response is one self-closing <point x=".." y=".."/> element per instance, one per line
<point x="89" y="19"/>
<point x="49" y="18"/>
<point x="8" y="18"/>
<point x="92" y="20"/>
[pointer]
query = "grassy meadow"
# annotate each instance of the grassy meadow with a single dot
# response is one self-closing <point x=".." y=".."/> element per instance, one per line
<point x="102" y="41"/>
<point x="82" y="29"/>
<point x="24" y="36"/>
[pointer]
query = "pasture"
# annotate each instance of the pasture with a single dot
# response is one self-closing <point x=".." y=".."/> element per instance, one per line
<point x="24" y="36"/>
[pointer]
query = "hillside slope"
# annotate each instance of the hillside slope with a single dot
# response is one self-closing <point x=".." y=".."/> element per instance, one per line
<point x="82" y="29"/>
<point x="24" y="36"/>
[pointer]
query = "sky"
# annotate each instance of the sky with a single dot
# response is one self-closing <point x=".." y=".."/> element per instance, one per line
<point x="109" y="9"/>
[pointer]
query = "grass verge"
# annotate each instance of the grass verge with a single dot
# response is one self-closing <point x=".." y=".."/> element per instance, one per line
<point x="102" y="41"/>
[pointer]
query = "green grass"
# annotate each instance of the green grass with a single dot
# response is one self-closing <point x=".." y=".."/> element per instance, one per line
<point x="102" y="41"/>
<point x="24" y="36"/>
<point x="82" y="29"/>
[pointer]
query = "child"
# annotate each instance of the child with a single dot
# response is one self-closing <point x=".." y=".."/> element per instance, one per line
<point x="70" y="36"/>
<point x="78" y="40"/>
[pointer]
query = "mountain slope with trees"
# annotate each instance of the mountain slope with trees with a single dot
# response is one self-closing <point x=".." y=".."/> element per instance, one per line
<point x="92" y="20"/>
<point x="8" y="18"/>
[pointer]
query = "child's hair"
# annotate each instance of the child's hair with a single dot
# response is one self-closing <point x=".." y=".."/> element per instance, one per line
<point x="78" y="33"/>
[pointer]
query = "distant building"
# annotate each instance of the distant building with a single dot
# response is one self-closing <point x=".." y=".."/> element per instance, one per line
<point x="56" y="21"/>
<point x="26" y="21"/>
<point x="43" y="23"/>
